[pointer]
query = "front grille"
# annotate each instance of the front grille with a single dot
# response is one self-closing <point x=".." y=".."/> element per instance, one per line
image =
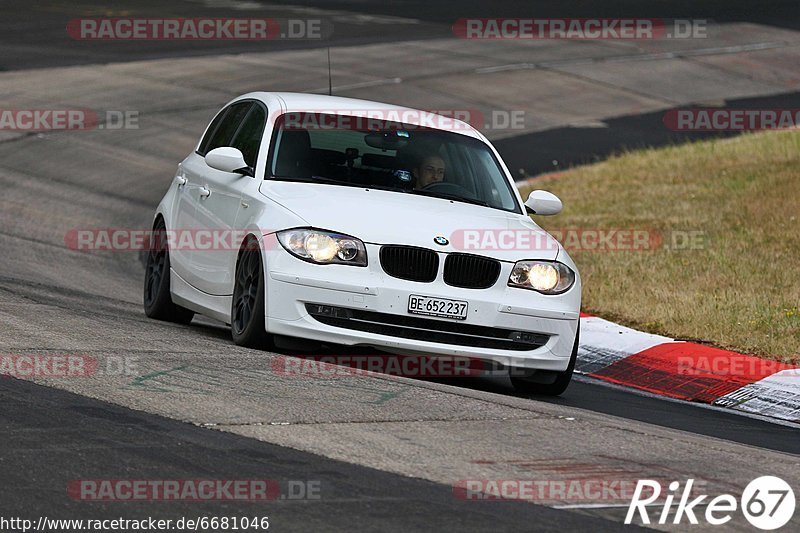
<point x="410" y="263"/>
<point x="424" y="329"/>
<point x="470" y="271"/>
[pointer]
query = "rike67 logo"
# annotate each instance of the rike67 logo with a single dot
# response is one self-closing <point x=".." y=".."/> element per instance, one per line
<point x="767" y="502"/>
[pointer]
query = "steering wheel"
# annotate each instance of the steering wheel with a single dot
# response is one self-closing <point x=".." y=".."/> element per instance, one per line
<point x="446" y="187"/>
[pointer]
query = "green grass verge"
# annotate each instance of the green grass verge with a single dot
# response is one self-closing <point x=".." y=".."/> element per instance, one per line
<point x="740" y="288"/>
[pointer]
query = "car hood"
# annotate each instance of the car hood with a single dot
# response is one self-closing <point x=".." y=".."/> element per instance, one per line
<point x="386" y="217"/>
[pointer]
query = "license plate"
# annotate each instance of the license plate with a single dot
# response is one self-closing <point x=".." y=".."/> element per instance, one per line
<point x="441" y="307"/>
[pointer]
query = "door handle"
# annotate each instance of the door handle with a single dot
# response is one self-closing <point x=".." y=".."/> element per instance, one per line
<point x="245" y="205"/>
<point x="204" y="192"/>
<point x="181" y="180"/>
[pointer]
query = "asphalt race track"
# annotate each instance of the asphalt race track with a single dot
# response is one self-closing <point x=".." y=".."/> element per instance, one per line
<point x="385" y="451"/>
<point x="83" y="436"/>
<point x="355" y="23"/>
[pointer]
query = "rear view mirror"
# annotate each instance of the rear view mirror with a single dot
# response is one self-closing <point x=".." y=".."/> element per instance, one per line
<point x="543" y="203"/>
<point x="387" y="140"/>
<point x="228" y="159"/>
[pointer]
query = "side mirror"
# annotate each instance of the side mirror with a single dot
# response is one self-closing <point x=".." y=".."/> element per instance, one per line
<point x="543" y="203"/>
<point x="228" y="159"/>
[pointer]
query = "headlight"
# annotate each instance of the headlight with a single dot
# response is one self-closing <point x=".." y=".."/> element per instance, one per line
<point x="546" y="277"/>
<point x="323" y="247"/>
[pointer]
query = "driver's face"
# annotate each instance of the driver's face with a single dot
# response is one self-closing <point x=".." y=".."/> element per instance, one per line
<point x="430" y="171"/>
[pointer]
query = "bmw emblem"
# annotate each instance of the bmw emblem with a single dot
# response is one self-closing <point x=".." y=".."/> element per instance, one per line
<point x="441" y="241"/>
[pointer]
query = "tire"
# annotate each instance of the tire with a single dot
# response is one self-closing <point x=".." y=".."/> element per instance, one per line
<point x="247" y="306"/>
<point x="157" y="300"/>
<point x="527" y="385"/>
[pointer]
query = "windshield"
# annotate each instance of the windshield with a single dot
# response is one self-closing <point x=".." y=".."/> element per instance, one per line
<point x="356" y="151"/>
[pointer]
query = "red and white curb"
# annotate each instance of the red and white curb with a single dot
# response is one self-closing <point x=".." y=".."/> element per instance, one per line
<point x="687" y="370"/>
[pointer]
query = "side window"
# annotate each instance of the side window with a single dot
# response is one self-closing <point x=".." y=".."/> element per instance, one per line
<point x="248" y="138"/>
<point x="227" y="126"/>
<point x="203" y="148"/>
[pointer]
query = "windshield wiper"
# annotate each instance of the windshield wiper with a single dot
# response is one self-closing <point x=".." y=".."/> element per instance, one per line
<point x="390" y="188"/>
<point x="333" y="181"/>
<point x="314" y="179"/>
<point x="323" y="179"/>
<point x="445" y="196"/>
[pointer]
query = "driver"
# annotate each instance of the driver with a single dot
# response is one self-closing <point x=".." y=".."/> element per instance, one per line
<point x="430" y="170"/>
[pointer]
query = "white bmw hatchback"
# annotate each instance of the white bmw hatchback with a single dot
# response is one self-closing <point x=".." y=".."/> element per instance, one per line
<point x="360" y="223"/>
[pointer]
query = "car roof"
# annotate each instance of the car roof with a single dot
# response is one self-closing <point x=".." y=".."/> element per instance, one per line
<point x="299" y="102"/>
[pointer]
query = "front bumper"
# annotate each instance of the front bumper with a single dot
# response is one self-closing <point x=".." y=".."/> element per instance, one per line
<point x="295" y="287"/>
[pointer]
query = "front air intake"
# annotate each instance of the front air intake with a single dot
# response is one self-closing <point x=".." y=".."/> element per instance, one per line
<point x="471" y="271"/>
<point x="410" y="263"/>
